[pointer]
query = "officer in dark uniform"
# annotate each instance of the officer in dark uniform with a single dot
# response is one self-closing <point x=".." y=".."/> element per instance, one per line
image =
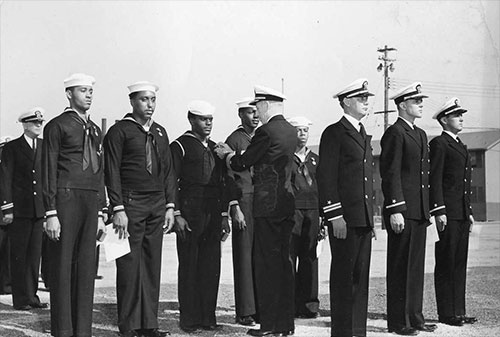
<point x="306" y="229"/>
<point x="404" y="168"/>
<point x="201" y="218"/>
<point x="22" y="207"/>
<point x="5" y="286"/>
<point x="450" y="192"/>
<point x="243" y="235"/>
<point x="270" y="153"/>
<point x="73" y="194"/>
<point x="141" y="186"/>
<point x="345" y="184"/>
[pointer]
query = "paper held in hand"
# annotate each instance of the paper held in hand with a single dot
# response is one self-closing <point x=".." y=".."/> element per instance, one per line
<point x="114" y="247"/>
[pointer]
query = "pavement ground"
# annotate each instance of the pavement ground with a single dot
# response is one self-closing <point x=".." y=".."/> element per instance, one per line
<point x="483" y="295"/>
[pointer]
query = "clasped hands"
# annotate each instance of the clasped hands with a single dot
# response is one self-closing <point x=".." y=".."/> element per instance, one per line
<point x="222" y="150"/>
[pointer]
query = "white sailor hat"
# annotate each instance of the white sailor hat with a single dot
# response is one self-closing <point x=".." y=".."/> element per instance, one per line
<point x="266" y="94"/>
<point x="412" y="91"/>
<point x="449" y="107"/>
<point x="79" y="79"/>
<point x="201" y="108"/>
<point x="245" y="103"/>
<point x="142" y="86"/>
<point x="299" y="121"/>
<point x="32" y="115"/>
<point x="355" y="89"/>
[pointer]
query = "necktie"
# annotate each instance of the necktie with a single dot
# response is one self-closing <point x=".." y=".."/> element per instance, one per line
<point x="461" y="144"/>
<point x="305" y="172"/>
<point x="89" y="149"/>
<point x="34" y="145"/>
<point x="150" y="143"/>
<point x="362" y="130"/>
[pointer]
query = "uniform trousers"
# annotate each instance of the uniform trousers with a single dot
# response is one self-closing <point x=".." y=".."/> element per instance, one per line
<point x="25" y="250"/>
<point x="199" y="261"/>
<point x="303" y="244"/>
<point x="451" y="268"/>
<point x="244" y="280"/>
<point x="405" y="274"/>
<point x="138" y="272"/>
<point x="349" y="278"/>
<point x="72" y="257"/>
<point x="5" y="286"/>
<point x="274" y="273"/>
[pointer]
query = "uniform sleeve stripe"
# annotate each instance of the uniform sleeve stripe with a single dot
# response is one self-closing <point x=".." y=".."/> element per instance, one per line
<point x="170" y="205"/>
<point x="182" y="147"/>
<point x="438" y="208"/>
<point x="335" y="218"/>
<point x="332" y="207"/>
<point x="50" y="213"/>
<point x="233" y="202"/>
<point x="7" y="206"/>
<point x="396" y="204"/>
<point x="118" y="208"/>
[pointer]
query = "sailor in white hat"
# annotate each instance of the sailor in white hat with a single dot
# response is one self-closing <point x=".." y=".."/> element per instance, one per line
<point x="201" y="218"/>
<point x="138" y="159"/>
<point x="450" y="198"/>
<point x="72" y="157"/>
<point x="345" y="185"/>
<point x="23" y="209"/>
<point x="404" y="168"/>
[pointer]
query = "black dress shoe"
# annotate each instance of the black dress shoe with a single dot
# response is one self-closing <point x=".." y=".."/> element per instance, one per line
<point x="99" y="277"/>
<point x="23" y="307"/>
<point x="426" y="327"/>
<point x="39" y="305"/>
<point x="307" y="315"/>
<point x="154" y="333"/>
<point x="189" y="329"/>
<point x="245" y="320"/>
<point x="212" y="327"/>
<point x="130" y="333"/>
<point x="468" y="320"/>
<point x="284" y="333"/>
<point x="405" y="331"/>
<point x="259" y="332"/>
<point x="452" y="320"/>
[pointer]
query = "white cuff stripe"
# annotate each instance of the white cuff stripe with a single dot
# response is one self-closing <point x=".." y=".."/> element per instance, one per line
<point x="335" y="218"/>
<point x="7" y="206"/>
<point x="332" y="207"/>
<point x="437" y="208"/>
<point x="52" y="212"/>
<point x="233" y="202"/>
<point x="177" y="212"/>
<point x="118" y="208"/>
<point x="170" y="205"/>
<point x="396" y="204"/>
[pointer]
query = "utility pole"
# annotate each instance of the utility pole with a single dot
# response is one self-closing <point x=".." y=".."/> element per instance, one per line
<point x="386" y="66"/>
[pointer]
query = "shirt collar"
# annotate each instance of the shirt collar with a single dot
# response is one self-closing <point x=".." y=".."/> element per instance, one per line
<point x="29" y="140"/>
<point x="452" y="135"/>
<point x="408" y="122"/>
<point x="146" y="127"/>
<point x="353" y="121"/>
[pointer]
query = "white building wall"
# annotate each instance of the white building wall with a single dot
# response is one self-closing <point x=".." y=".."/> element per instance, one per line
<point x="492" y="179"/>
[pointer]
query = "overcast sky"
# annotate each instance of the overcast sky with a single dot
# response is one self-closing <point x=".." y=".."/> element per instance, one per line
<point x="217" y="51"/>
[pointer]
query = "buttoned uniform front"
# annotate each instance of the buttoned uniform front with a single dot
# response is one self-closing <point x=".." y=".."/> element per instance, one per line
<point x="144" y="197"/>
<point x="304" y="239"/>
<point x="270" y="154"/>
<point x="404" y="168"/>
<point x="75" y="195"/>
<point x="243" y="240"/>
<point x="450" y="192"/>
<point x="345" y="185"/>
<point x="21" y="195"/>
<point x="205" y="191"/>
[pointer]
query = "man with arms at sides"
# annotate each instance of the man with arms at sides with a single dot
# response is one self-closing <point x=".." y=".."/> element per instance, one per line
<point x="270" y="154"/>
<point x="73" y="194"/>
<point x="307" y="225"/>
<point x="243" y="235"/>
<point x="345" y="184"/>
<point x="5" y="286"/>
<point x="201" y="218"/>
<point x="141" y="186"/>
<point x="450" y="204"/>
<point x="404" y="168"/>
<point x="22" y="207"/>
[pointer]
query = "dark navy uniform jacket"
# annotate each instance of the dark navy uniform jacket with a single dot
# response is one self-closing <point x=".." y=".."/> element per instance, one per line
<point x="125" y="157"/>
<point x="239" y="141"/>
<point x="404" y="168"/>
<point x="450" y="178"/>
<point x="62" y="158"/>
<point x="306" y="196"/>
<point x="271" y="154"/>
<point x="345" y="175"/>
<point x="20" y="179"/>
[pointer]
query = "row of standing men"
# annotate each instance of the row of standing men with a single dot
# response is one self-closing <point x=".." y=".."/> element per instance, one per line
<point x="154" y="186"/>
